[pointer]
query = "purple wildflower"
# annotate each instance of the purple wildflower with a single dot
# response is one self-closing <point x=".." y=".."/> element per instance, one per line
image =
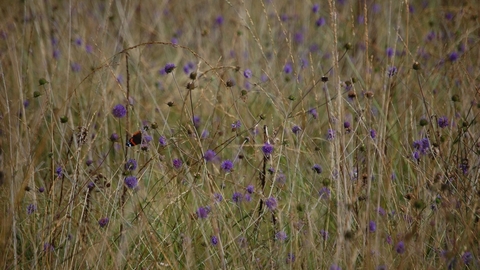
<point x="389" y="52"/>
<point x="324" y="193"/>
<point x="391" y="71"/>
<point x="372" y="226"/>
<point x="227" y="165"/>
<point x="177" y="163"/>
<point x="219" y="20"/>
<point x="237" y="197"/>
<point x="290" y="258"/>
<point x="59" y="171"/>
<point x="237" y="124"/>
<point x="247" y="73"/>
<point x="250" y="189"/>
<point x="373" y="133"/>
<point x="114" y="137"/>
<point x="330" y="134"/>
<point x="131" y="165"/>
<point x="48" y="247"/>
<point x="324" y="234"/>
<point x="287" y="68"/>
<point x="41" y="189"/>
<point x="271" y="203"/>
<point x="119" y="111"/>
<point x="214" y="240"/>
<point x="103" y="222"/>
<point x="296" y="129"/>
<point x="209" y="155"/>
<point x="443" y="122"/>
<point x="453" y="56"/>
<point x="400" y="247"/>
<point x="202" y="212"/>
<point x="335" y="267"/>
<point x="281" y="236"/>
<point x="247" y="197"/>
<point x="162" y="140"/>
<point x="320" y="22"/>
<point x="169" y="68"/>
<point x="131" y="182"/>
<point x="467" y="257"/>
<point x="31" y="208"/>
<point x="267" y="149"/>
<point x="218" y="197"/>
<point x="88" y="162"/>
<point x="315" y="8"/>
<point x="78" y="41"/>
<point x="75" y="67"/>
<point x="317" y="168"/>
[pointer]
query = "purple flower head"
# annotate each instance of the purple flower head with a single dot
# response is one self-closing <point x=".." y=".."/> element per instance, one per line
<point x="214" y="240"/>
<point x="162" y="140"/>
<point x="120" y="79"/>
<point x="88" y="48"/>
<point x="131" y="165"/>
<point x="202" y="212"/>
<point x="250" y="189"/>
<point x="237" y="197"/>
<point x="443" y="122"/>
<point x="381" y="211"/>
<point x="453" y="56"/>
<point x="247" y="73"/>
<point x="324" y="234"/>
<point x="48" y="247"/>
<point x="59" y="171"/>
<point x="346" y="125"/>
<point x="288" y="68"/>
<point x="271" y="203"/>
<point x="372" y="226"/>
<point x="330" y="134"/>
<point x="41" y="189"/>
<point x="56" y="53"/>
<point x="119" y="111"/>
<point x="389" y="239"/>
<point x="315" y="8"/>
<point x="281" y="236"/>
<point x="78" y="41"/>
<point x="313" y="112"/>
<point x="267" y="149"/>
<point x="31" y="208"/>
<point x="91" y="185"/>
<point x="147" y="138"/>
<point x="467" y="257"/>
<point x="247" y="197"/>
<point x="391" y="71"/>
<point x="296" y="129"/>
<point x="237" y="124"/>
<point x="196" y="121"/>
<point x="76" y="67"/>
<point x="290" y="258"/>
<point x="169" y="68"/>
<point x="317" y="168"/>
<point x="373" y="133"/>
<point x="89" y="162"/>
<point x="389" y="52"/>
<point x="324" y="193"/>
<point x="335" y="267"/>
<point x="205" y="134"/>
<point x="177" y="163"/>
<point x="218" y="197"/>
<point x="114" y="137"/>
<point x="449" y="16"/>
<point x="103" y="222"/>
<point x="298" y="37"/>
<point x="219" y="20"/>
<point x="209" y="155"/>
<point x="320" y="22"/>
<point x="227" y="165"/>
<point x="400" y="247"/>
<point x="26" y="102"/>
<point x="131" y="182"/>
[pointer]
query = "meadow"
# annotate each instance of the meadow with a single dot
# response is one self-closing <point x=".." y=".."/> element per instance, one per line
<point x="240" y="134"/>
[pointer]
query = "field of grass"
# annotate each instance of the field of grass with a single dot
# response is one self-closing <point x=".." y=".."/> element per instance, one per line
<point x="270" y="134"/>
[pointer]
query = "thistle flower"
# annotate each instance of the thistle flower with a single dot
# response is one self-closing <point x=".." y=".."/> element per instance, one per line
<point x="443" y="122"/>
<point x="267" y="149"/>
<point x="317" y="168"/>
<point x="59" y="171"/>
<point x="281" y="236"/>
<point x="324" y="193"/>
<point x="202" y="212"/>
<point x="218" y="197"/>
<point x="247" y="73"/>
<point x="114" y="137"/>
<point x="209" y="155"/>
<point x="169" y="67"/>
<point x="320" y="22"/>
<point x="214" y="240"/>
<point x="315" y="8"/>
<point x="296" y="129"/>
<point x="400" y="247"/>
<point x="250" y="189"/>
<point x="177" y="163"/>
<point x="288" y="68"/>
<point x="330" y="134"/>
<point x="372" y="226"/>
<point x="162" y="141"/>
<point x="31" y="208"/>
<point x="237" y="197"/>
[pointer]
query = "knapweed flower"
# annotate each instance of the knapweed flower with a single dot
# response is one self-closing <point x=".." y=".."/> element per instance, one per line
<point x="389" y="52"/>
<point x="400" y="247"/>
<point x="205" y="134"/>
<point x="169" y="67"/>
<point x="209" y="155"/>
<point x="324" y="234"/>
<point x="443" y="122"/>
<point x="271" y="203"/>
<point x="346" y="125"/>
<point x="196" y="121"/>
<point x="219" y="20"/>
<point x="202" y="212"/>
<point x="214" y="240"/>
<point x="131" y="182"/>
<point x="227" y="165"/>
<point x="114" y="137"/>
<point x="335" y="267"/>
<point x="250" y="189"/>
<point x="247" y="197"/>
<point x="391" y="71"/>
<point x="373" y="133"/>
<point x="467" y="257"/>
<point x="247" y="73"/>
<point x="162" y="141"/>
<point x="324" y="193"/>
<point x="131" y="165"/>
<point x="103" y="222"/>
<point x="281" y="236"/>
<point x="315" y="8"/>
<point x="237" y="197"/>
<point x="372" y="226"/>
<point x="119" y="111"/>
<point x="177" y="163"/>
<point x="267" y="149"/>
<point x="281" y="179"/>
<point x="48" y="247"/>
<point x="381" y="211"/>
<point x="317" y="168"/>
<point x="76" y="67"/>
<point x="296" y="129"/>
<point x="41" y="189"/>
<point x="287" y="68"/>
<point x="91" y="185"/>
<point x="59" y="171"/>
<point x="290" y="258"/>
<point x="31" y="208"/>
<point x="78" y="41"/>
<point x="89" y="162"/>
